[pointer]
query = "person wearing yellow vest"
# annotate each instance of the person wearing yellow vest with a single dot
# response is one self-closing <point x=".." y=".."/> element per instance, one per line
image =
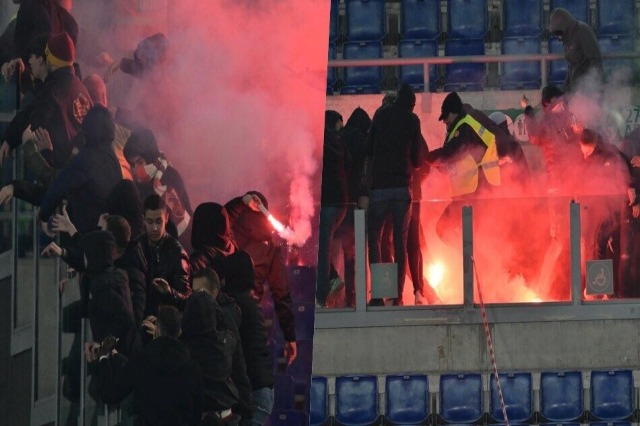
<point x="469" y="156"/>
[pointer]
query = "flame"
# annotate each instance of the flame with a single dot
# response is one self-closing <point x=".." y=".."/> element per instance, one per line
<point x="435" y="273"/>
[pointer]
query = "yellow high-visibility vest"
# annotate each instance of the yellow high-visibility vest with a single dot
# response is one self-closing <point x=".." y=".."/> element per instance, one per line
<point x="464" y="172"/>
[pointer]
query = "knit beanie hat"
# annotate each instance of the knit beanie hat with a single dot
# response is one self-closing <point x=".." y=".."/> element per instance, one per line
<point x="60" y="50"/>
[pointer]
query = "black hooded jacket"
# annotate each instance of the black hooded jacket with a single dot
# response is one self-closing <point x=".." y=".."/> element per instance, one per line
<point x="214" y="343"/>
<point x="89" y="177"/>
<point x="166" y="384"/>
<point x="238" y="275"/>
<point x="395" y="143"/>
<point x="214" y="249"/>
<point x="334" y="174"/>
<point x="581" y="48"/>
<point x="354" y="138"/>
<point x="107" y="290"/>
<point x="134" y="264"/>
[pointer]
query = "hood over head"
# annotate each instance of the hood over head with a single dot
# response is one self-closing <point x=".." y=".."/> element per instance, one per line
<point x="360" y="120"/>
<point x="210" y="227"/>
<point x="199" y="316"/>
<point x="124" y="200"/>
<point x="561" y="22"/>
<point x="451" y="104"/>
<point x="99" y="249"/>
<point x="406" y="97"/>
<point x="238" y="273"/>
<point x="331" y="118"/>
<point x="98" y="127"/>
<point x="142" y="142"/>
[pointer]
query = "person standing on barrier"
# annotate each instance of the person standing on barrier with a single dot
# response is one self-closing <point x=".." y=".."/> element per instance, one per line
<point x="395" y="148"/>
<point x="581" y="49"/>
<point x="470" y="157"/>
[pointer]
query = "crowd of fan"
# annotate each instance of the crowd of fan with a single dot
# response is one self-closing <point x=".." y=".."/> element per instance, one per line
<point x="172" y="294"/>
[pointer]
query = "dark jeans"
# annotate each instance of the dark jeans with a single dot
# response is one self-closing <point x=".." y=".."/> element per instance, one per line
<point x="397" y="203"/>
<point x="347" y="236"/>
<point x="330" y="219"/>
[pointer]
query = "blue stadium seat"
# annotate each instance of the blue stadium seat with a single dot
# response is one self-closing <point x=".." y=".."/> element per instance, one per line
<point x="420" y="19"/>
<point x="407" y="399"/>
<point x="615" y="43"/>
<point x="520" y="75"/>
<point x="561" y="396"/>
<point x="288" y="418"/>
<point x="517" y="392"/>
<point x="333" y="21"/>
<point x="413" y="74"/>
<point x="331" y="76"/>
<point x="304" y="317"/>
<point x="464" y="77"/>
<point x="302" y="279"/>
<point x="461" y="398"/>
<point x="522" y="19"/>
<point x="557" y="69"/>
<point x="467" y="18"/>
<point x="319" y="409"/>
<point x="283" y="392"/>
<point x="365" y="20"/>
<point x="365" y="80"/>
<point x="356" y="400"/>
<point x="611" y="394"/>
<point x="616" y="17"/>
<point x="578" y="8"/>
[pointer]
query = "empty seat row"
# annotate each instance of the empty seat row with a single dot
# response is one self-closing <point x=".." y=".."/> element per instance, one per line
<point x="421" y="19"/>
<point x="460" y="399"/>
<point x="467" y="76"/>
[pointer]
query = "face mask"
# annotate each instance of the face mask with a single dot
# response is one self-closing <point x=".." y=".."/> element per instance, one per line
<point x="145" y="173"/>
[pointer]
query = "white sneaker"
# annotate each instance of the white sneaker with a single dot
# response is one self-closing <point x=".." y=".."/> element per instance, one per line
<point x="420" y="299"/>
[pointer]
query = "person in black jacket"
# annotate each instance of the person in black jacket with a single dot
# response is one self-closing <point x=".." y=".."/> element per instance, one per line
<point x="395" y="147"/>
<point x="214" y="342"/>
<point x="253" y="234"/>
<point x="90" y="176"/>
<point x="167" y="262"/>
<point x="130" y="258"/>
<point x="165" y="381"/>
<point x="354" y="138"/>
<point x="213" y="248"/>
<point x="154" y="175"/>
<point x="333" y="207"/>
<point x="106" y="291"/>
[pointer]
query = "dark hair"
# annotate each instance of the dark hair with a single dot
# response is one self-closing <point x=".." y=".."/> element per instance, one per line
<point x="154" y="202"/>
<point x="142" y="142"/>
<point x="120" y="229"/>
<point x="331" y="117"/>
<point x="38" y="45"/>
<point x="589" y="137"/>
<point x="211" y="277"/>
<point x="169" y="319"/>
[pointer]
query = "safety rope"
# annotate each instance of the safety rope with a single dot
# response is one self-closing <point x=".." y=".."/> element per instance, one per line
<point x="492" y="354"/>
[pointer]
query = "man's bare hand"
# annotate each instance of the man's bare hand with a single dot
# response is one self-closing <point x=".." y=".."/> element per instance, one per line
<point x="113" y="68"/>
<point x="290" y="351"/>
<point x="28" y="134"/>
<point x="91" y="351"/>
<point x="6" y="194"/>
<point x="5" y="151"/>
<point x="149" y="324"/>
<point x="52" y="250"/>
<point x="43" y="140"/>
<point x="161" y="285"/>
<point x="62" y="223"/>
<point x="9" y="68"/>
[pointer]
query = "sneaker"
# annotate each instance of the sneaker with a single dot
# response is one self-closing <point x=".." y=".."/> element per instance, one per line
<point x="335" y="286"/>
<point x="420" y="299"/>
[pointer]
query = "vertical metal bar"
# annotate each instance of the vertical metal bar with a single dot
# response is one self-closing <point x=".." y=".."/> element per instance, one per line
<point x="467" y="254"/>
<point x="576" y="261"/>
<point x="36" y="289"/>
<point x="543" y="66"/>
<point x="59" y="328"/>
<point x="83" y="373"/>
<point x="361" y="259"/>
<point x="426" y="95"/>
